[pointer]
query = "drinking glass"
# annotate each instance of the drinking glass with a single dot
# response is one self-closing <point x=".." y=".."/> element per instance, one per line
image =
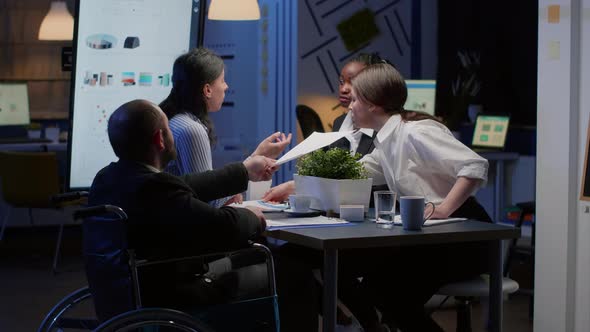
<point x="385" y="208"/>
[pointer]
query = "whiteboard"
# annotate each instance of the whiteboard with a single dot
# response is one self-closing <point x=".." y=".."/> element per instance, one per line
<point x="123" y="50"/>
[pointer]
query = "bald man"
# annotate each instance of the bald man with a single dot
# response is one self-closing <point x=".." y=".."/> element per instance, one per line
<point x="169" y="215"/>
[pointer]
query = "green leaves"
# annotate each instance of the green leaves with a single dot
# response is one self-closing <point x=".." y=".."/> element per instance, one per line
<point x="332" y="164"/>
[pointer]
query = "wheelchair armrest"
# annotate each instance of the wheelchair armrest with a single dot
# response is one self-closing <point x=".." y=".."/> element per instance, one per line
<point x="70" y="198"/>
<point x="100" y="210"/>
<point x="271" y="270"/>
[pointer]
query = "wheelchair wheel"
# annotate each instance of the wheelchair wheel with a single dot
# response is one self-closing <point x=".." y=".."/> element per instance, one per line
<point x="57" y="319"/>
<point x="171" y="320"/>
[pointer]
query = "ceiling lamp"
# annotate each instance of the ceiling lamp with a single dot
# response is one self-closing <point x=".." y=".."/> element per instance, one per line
<point x="58" y="24"/>
<point x="234" y="10"/>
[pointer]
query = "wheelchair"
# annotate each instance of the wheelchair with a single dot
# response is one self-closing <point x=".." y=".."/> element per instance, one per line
<point x="172" y="320"/>
<point x="121" y="285"/>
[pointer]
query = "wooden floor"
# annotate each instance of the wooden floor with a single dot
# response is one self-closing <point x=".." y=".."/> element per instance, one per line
<point x="28" y="288"/>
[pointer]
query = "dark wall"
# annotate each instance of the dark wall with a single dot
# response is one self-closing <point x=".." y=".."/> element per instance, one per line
<point x="407" y="36"/>
<point x="504" y="33"/>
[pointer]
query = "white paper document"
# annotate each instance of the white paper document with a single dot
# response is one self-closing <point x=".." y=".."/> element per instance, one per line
<point x="314" y="142"/>
<point x="430" y="222"/>
<point x="265" y="206"/>
<point x="280" y="222"/>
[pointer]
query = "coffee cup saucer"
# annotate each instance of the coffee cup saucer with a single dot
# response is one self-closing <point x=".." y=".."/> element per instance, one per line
<point x="305" y="213"/>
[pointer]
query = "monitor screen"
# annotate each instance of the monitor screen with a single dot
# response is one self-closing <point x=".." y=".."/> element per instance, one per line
<point x="490" y="131"/>
<point x="421" y="96"/>
<point x="124" y="50"/>
<point x="14" y="104"/>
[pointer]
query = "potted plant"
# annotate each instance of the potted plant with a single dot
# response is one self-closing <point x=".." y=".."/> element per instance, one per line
<point x="465" y="88"/>
<point x="333" y="178"/>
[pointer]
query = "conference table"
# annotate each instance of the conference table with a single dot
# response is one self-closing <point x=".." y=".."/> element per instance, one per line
<point x="367" y="235"/>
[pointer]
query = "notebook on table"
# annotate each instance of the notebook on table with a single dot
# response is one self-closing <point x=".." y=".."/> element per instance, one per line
<point x="430" y="222"/>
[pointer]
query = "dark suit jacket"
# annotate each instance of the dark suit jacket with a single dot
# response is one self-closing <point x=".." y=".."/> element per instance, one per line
<point x="169" y="215"/>
<point x="366" y="145"/>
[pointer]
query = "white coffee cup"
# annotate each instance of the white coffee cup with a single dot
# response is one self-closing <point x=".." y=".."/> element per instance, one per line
<point x="299" y="203"/>
<point x="256" y="190"/>
<point x="52" y="133"/>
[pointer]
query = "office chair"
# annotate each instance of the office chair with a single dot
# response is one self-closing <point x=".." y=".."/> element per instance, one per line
<point x="30" y="180"/>
<point x="465" y="292"/>
<point x="208" y="287"/>
<point x="60" y="201"/>
<point x="309" y="120"/>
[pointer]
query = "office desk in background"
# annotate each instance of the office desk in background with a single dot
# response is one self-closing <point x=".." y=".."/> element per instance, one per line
<point x="34" y="147"/>
<point x="368" y="235"/>
<point x="59" y="148"/>
<point x="499" y="158"/>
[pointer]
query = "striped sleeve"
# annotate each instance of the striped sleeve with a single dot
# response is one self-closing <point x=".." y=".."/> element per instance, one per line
<point x="193" y="149"/>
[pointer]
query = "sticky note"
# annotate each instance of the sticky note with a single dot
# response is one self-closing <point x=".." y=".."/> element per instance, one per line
<point x="553" y="52"/>
<point x="553" y="14"/>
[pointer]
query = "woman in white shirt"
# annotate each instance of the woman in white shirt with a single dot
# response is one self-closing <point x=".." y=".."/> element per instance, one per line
<point x="198" y="88"/>
<point x="415" y="154"/>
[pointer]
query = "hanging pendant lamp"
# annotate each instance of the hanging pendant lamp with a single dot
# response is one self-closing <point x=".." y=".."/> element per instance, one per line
<point x="234" y="10"/>
<point x="58" y="24"/>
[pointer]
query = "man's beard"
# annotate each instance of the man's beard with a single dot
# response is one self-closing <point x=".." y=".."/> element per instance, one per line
<point x="169" y="153"/>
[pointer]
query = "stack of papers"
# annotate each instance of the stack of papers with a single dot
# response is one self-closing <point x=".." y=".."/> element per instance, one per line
<point x="265" y="206"/>
<point x="280" y="222"/>
<point x="430" y="222"/>
<point x="315" y="141"/>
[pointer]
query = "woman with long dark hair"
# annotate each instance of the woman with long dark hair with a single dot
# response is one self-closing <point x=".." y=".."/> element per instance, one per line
<point x="198" y="88"/>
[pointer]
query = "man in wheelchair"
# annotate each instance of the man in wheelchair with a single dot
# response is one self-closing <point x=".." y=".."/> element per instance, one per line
<point x="168" y="216"/>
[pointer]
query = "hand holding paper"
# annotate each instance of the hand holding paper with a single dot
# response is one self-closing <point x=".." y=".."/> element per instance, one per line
<point x="260" y="168"/>
<point x="314" y="142"/>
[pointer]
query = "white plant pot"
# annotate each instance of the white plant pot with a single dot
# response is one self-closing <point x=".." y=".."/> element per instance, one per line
<point x="329" y="194"/>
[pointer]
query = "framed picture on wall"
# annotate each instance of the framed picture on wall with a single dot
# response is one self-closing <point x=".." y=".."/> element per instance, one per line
<point x="585" y="191"/>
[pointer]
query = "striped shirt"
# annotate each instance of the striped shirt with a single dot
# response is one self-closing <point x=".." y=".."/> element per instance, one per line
<point x="193" y="148"/>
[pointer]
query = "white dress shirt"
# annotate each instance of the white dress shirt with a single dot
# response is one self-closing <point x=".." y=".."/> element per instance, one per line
<point x="421" y="158"/>
<point x="355" y="137"/>
<point x="151" y="168"/>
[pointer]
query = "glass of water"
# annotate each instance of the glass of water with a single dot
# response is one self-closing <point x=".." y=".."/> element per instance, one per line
<point x="385" y="208"/>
